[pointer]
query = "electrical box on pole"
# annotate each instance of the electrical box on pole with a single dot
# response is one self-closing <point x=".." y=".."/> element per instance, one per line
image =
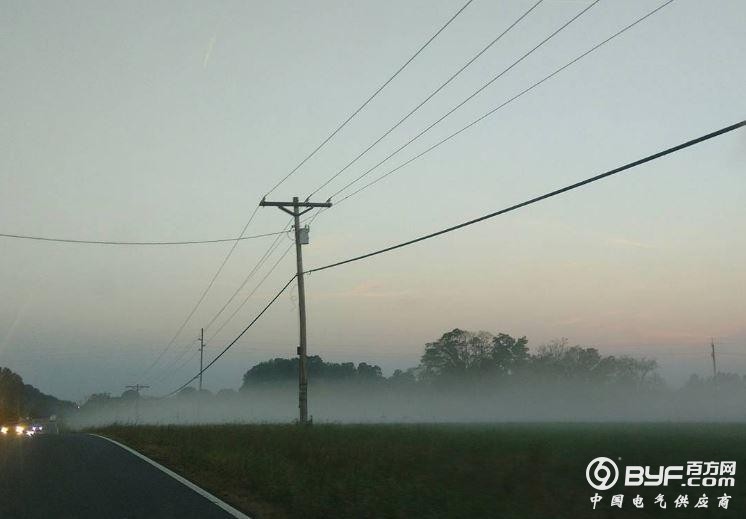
<point x="304" y="235"/>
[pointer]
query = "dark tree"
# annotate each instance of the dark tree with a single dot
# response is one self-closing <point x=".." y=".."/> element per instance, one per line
<point x="461" y="355"/>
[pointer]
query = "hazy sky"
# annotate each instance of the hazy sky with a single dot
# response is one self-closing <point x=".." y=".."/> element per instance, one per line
<point x="169" y="120"/>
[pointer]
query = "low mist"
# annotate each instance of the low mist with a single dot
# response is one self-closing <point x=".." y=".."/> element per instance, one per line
<point x="361" y="403"/>
<point x="462" y="377"/>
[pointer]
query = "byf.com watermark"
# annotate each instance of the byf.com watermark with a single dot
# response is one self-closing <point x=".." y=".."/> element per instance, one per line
<point x="604" y="473"/>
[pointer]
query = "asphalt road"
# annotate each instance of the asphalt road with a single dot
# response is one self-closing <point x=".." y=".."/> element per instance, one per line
<point x="78" y="476"/>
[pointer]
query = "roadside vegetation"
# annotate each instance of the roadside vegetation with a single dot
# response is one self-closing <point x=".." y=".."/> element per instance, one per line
<point x="435" y="471"/>
<point x="20" y="400"/>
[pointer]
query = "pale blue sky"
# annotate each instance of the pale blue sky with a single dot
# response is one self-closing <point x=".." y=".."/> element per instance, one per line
<point x="168" y="121"/>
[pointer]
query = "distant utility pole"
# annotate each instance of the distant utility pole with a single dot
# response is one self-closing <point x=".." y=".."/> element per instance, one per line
<point x="137" y="388"/>
<point x="297" y="210"/>
<point x="714" y="363"/>
<point x="201" y="354"/>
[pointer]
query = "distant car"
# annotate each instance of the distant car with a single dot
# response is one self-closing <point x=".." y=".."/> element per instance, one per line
<point x="16" y="428"/>
<point x="44" y="427"/>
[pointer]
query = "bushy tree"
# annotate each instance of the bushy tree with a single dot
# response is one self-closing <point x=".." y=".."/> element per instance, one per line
<point x="11" y="395"/>
<point x="286" y="370"/>
<point x="19" y="400"/>
<point x="369" y="372"/>
<point x="508" y="353"/>
<point x="456" y="354"/>
<point x="460" y="355"/>
<point x="559" y="361"/>
<point x="405" y="378"/>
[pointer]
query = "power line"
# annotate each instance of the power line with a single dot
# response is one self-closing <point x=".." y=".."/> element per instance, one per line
<point x="167" y="375"/>
<point x="556" y="192"/>
<point x="202" y="296"/>
<point x="499" y="107"/>
<point x="430" y="96"/>
<point x="179" y="355"/>
<point x="230" y="345"/>
<point x="167" y="370"/>
<point x="134" y="243"/>
<point x="286" y="177"/>
<point x="250" y="294"/>
<point x="320" y="211"/>
<point x="251" y="273"/>
<point x="365" y="103"/>
<point x="248" y="277"/>
<point x="258" y="285"/>
<point x="482" y="117"/>
<point x="466" y="100"/>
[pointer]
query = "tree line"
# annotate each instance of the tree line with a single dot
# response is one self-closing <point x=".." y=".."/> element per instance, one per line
<point x="19" y="400"/>
<point x="462" y="376"/>
<point x="461" y="357"/>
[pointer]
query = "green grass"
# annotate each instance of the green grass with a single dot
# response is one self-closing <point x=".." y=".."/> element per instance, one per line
<point x="432" y="471"/>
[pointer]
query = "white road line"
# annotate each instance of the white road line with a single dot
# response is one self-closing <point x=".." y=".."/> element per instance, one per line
<point x="204" y="493"/>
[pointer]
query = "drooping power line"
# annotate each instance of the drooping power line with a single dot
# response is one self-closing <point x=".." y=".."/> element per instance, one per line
<point x="170" y="367"/>
<point x="250" y="294"/>
<point x="230" y="345"/>
<point x="248" y="277"/>
<point x="202" y="296"/>
<point x="135" y="243"/>
<point x="539" y="198"/>
<point x="256" y="287"/>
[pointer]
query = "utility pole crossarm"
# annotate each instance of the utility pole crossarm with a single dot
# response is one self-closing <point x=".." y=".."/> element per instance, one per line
<point x="137" y="387"/>
<point x="264" y="203"/>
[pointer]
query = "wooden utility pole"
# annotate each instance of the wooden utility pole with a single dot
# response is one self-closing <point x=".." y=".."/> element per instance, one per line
<point x="201" y="354"/>
<point x="137" y="388"/>
<point x="297" y="210"/>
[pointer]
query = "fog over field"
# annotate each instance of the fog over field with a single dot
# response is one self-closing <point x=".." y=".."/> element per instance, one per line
<point x="462" y="377"/>
<point x="359" y="404"/>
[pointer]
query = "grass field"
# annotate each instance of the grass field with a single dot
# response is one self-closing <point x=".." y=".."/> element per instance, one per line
<point x="532" y="471"/>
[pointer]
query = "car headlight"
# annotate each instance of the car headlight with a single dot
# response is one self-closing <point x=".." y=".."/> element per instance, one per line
<point x="19" y="429"/>
<point x="4" y="430"/>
